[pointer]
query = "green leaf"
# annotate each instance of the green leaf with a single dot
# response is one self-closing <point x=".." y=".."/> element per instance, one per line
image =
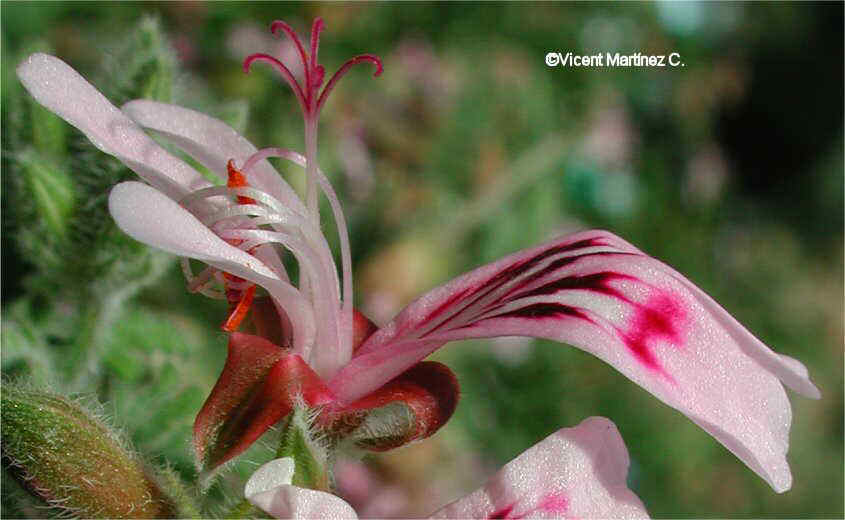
<point x="145" y="66"/>
<point x="52" y="191"/>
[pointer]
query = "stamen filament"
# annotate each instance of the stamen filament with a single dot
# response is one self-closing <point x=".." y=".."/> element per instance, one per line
<point x="239" y="312"/>
<point x="342" y="232"/>
<point x="200" y="283"/>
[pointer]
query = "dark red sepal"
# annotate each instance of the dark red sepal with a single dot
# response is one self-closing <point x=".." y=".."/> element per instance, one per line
<point x="362" y="328"/>
<point x="269" y="323"/>
<point x="429" y="390"/>
<point x="257" y="388"/>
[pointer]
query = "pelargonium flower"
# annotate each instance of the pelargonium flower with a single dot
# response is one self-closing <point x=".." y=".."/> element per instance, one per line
<point x="577" y="472"/>
<point x="592" y="290"/>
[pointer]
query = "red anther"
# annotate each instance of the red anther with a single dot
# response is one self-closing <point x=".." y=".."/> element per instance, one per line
<point x="239" y="312"/>
<point x="237" y="180"/>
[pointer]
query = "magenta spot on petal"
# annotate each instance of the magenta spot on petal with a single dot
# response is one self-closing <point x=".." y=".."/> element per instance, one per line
<point x="554" y="503"/>
<point x="662" y="318"/>
<point x="502" y="513"/>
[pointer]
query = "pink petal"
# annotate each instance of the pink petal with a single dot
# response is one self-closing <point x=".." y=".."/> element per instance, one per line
<point x="269" y="489"/>
<point x="576" y="472"/>
<point x="62" y="90"/>
<point x="150" y="217"/>
<point x="212" y="143"/>
<point x="595" y="291"/>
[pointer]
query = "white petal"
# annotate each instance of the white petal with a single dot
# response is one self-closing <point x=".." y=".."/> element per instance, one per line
<point x="296" y="502"/>
<point x="54" y="84"/>
<point x="148" y="216"/>
<point x="211" y="142"/>
<point x="269" y="489"/>
<point x="576" y="472"/>
<point x="278" y="472"/>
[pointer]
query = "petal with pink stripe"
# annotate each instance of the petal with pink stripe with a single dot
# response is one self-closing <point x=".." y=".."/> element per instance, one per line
<point x="595" y="291"/>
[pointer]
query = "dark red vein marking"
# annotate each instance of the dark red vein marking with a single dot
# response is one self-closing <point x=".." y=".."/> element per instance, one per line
<point x="597" y="282"/>
<point x="447" y="303"/>
<point x="519" y="268"/>
<point x="508" y="274"/>
<point x="542" y="310"/>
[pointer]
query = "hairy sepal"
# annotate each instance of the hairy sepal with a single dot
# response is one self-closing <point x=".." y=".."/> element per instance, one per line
<point x="300" y="442"/>
<point x="411" y="407"/>
<point x="258" y="387"/>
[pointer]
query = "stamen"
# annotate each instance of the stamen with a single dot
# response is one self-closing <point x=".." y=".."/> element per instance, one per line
<point x="284" y="71"/>
<point x="340" y="222"/>
<point x="201" y="282"/>
<point x="237" y="180"/>
<point x="239" y="312"/>
<point x="363" y="58"/>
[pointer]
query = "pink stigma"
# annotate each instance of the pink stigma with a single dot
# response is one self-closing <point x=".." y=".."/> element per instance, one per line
<point x="308" y="92"/>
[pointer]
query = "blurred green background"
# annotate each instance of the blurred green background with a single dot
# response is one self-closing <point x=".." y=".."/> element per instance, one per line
<point x="468" y="147"/>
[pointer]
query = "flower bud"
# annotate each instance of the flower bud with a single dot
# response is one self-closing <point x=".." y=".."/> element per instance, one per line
<point x="71" y="460"/>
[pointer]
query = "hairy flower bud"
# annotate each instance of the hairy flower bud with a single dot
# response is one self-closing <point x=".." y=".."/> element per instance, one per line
<point x="68" y="458"/>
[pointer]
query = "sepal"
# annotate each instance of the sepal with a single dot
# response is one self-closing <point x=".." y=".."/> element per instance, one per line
<point x="412" y="406"/>
<point x="258" y="387"/>
<point x="299" y="442"/>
